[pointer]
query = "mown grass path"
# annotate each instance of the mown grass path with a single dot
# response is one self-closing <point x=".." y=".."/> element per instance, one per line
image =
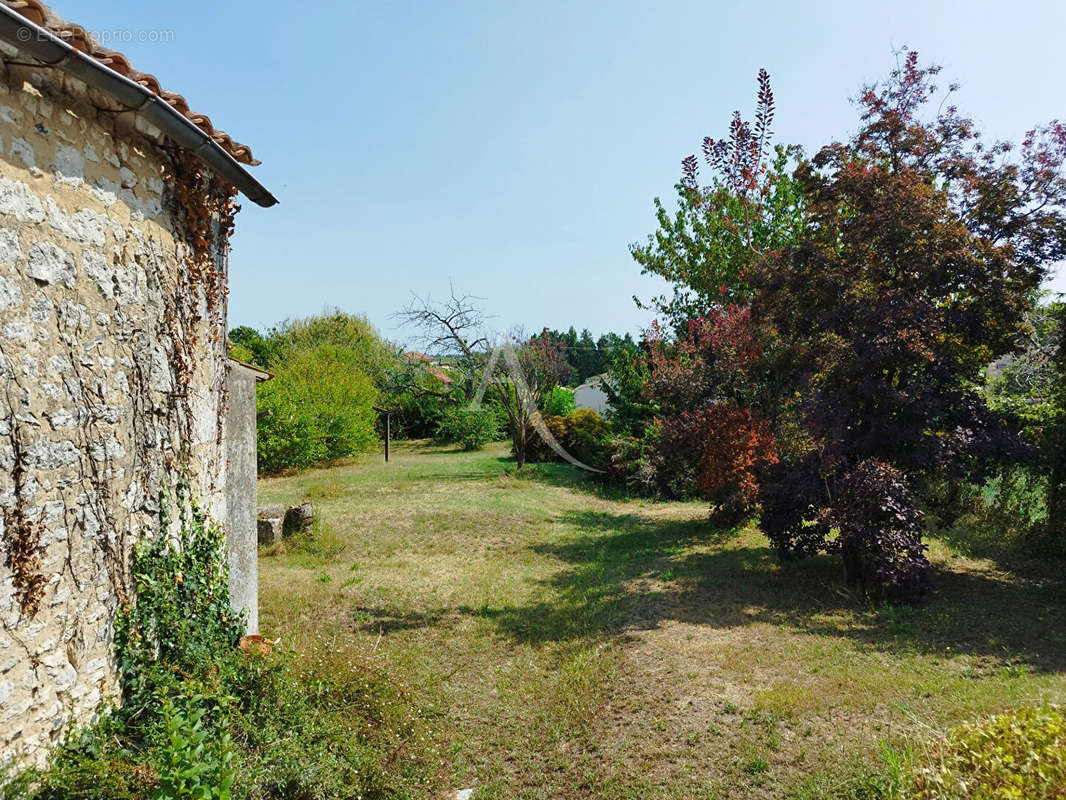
<point x="581" y="645"/>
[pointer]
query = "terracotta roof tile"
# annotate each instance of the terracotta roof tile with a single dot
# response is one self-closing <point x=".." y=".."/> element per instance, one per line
<point x="76" y="36"/>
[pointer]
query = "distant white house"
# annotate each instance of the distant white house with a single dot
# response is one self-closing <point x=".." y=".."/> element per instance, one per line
<point x="591" y="394"/>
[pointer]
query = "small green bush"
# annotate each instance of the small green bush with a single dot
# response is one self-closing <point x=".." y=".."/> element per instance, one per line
<point x="1020" y="755"/>
<point x="471" y="428"/>
<point x="629" y="461"/>
<point x="586" y="436"/>
<point x="194" y="765"/>
<point x="415" y="416"/>
<point x="559" y="402"/>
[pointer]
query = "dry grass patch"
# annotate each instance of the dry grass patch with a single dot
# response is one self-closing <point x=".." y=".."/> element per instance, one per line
<point x="579" y="644"/>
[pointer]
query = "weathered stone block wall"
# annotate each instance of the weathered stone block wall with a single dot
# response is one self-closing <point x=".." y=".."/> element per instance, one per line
<point x="240" y="489"/>
<point x="112" y="376"/>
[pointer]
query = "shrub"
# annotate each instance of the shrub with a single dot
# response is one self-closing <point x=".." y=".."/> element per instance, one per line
<point x="582" y="433"/>
<point x="794" y="517"/>
<point x="717" y="453"/>
<point x="677" y="453"/>
<point x="537" y="450"/>
<point x="740" y="444"/>
<point x="1014" y="499"/>
<point x="1021" y="754"/>
<point x="471" y="428"/>
<point x="586" y="436"/>
<point x="629" y="461"/>
<point x="559" y="401"/>
<point x="415" y="415"/>
<point x="319" y="406"/>
<point x="880" y="533"/>
<point x="877" y="525"/>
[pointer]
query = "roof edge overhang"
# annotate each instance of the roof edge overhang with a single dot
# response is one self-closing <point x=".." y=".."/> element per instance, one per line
<point x="50" y="51"/>
<point x="261" y="374"/>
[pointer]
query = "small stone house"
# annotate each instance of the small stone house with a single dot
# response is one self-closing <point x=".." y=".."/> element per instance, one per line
<point x="116" y="205"/>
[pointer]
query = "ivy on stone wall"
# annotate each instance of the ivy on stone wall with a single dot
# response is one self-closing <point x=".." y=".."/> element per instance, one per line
<point x="179" y="627"/>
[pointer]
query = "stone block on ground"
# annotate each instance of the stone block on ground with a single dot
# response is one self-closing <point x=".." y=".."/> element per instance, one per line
<point x="299" y="519"/>
<point x="270" y="524"/>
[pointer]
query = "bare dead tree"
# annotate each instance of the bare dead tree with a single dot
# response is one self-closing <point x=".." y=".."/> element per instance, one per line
<point x="456" y="328"/>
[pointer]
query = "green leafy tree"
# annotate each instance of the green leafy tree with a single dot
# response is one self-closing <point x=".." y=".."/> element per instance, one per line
<point x="471" y="428"/>
<point x="250" y="346"/>
<point x="329" y="370"/>
<point x="585" y="356"/>
<point x="319" y="406"/>
<point x="351" y="333"/>
<point x="559" y="401"/>
<point x="753" y="205"/>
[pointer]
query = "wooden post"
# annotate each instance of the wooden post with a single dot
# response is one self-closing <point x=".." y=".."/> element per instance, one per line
<point x="388" y="428"/>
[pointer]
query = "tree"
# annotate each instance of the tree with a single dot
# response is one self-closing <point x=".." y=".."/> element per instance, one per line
<point x="691" y="396"/>
<point x="329" y="370"/>
<point x="350" y="332"/>
<point x="535" y="370"/>
<point x="711" y="438"/>
<point x="922" y="250"/>
<point x="585" y="356"/>
<point x="752" y="205"/>
<point x="251" y="346"/>
<point x="318" y="407"/>
<point x="530" y="369"/>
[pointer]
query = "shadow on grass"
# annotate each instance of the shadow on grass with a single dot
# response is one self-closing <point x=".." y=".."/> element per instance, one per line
<point x="377" y="620"/>
<point x="627" y="572"/>
<point x="553" y="473"/>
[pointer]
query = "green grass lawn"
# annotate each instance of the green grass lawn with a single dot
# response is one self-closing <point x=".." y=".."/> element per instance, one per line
<point x="572" y="643"/>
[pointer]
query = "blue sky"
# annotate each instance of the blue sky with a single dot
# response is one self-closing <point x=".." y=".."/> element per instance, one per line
<point x="513" y="149"/>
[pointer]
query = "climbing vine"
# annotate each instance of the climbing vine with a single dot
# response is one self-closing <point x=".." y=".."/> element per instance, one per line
<point x="207" y="207"/>
<point x="179" y="626"/>
<point x="23" y="535"/>
<point x="22" y="532"/>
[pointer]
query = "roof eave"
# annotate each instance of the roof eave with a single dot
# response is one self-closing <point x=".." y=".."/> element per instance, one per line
<point x="45" y="47"/>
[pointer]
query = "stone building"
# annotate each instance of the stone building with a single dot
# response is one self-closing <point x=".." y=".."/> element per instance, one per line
<point x="116" y="204"/>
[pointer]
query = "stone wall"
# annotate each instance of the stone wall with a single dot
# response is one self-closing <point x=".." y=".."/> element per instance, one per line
<point x="112" y="383"/>
<point x="241" y="478"/>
